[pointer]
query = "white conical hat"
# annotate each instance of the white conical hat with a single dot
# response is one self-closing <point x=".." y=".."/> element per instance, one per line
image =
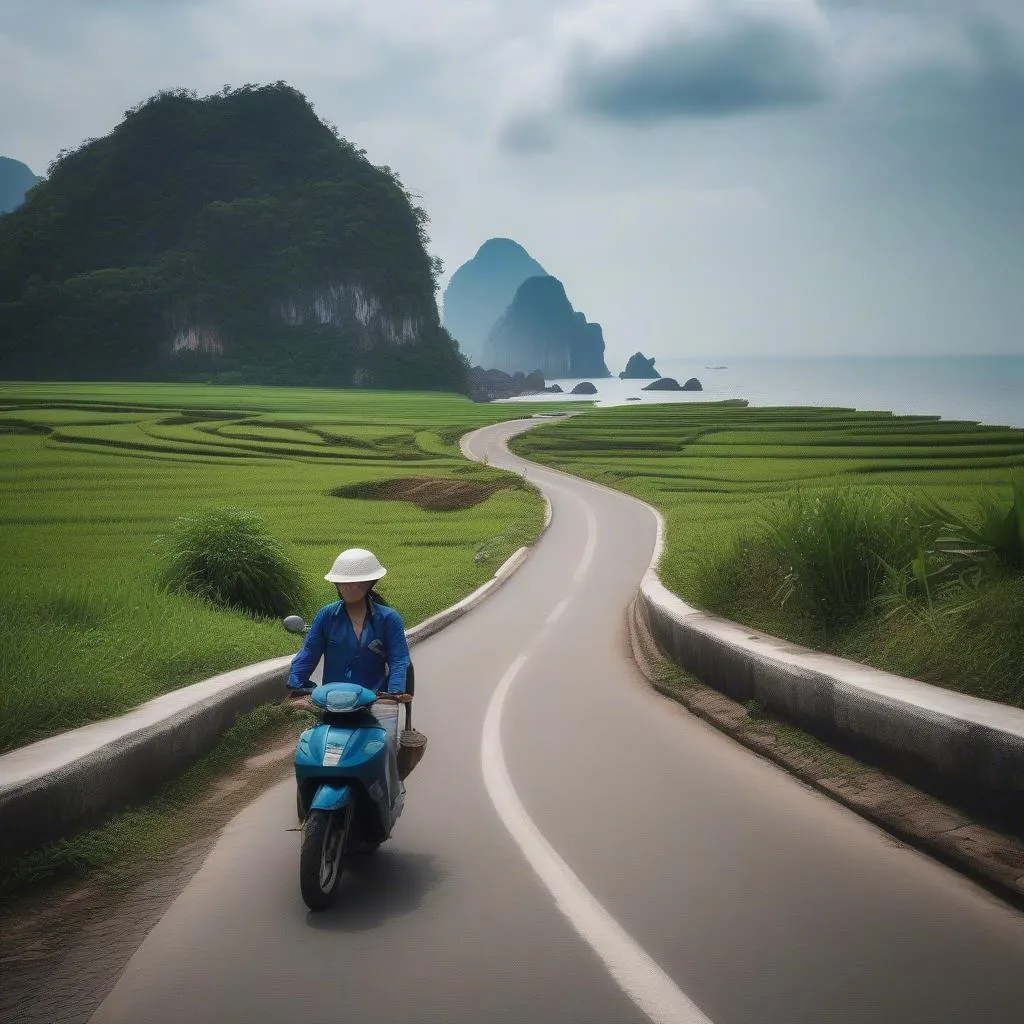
<point x="356" y="565"/>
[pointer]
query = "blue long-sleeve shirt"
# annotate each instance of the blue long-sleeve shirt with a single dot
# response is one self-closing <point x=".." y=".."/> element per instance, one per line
<point x="382" y="652"/>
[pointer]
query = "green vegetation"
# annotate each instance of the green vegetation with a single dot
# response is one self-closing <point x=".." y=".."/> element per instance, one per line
<point x="234" y="237"/>
<point x="94" y="477"/>
<point x="840" y="547"/>
<point x="227" y="556"/>
<point x="892" y="540"/>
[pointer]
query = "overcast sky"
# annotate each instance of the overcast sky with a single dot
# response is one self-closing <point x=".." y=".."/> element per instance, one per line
<point x="705" y="176"/>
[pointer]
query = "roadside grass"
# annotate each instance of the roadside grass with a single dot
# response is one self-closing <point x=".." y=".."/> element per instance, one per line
<point x="94" y="476"/>
<point x="184" y="810"/>
<point x="845" y="531"/>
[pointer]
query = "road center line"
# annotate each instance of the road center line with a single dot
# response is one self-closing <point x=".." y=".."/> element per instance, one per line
<point x="556" y="613"/>
<point x="635" y="972"/>
<point x="588" y="552"/>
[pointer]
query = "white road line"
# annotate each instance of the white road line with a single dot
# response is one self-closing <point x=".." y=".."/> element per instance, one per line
<point x="639" y="977"/>
<point x="556" y="613"/>
<point x="588" y="551"/>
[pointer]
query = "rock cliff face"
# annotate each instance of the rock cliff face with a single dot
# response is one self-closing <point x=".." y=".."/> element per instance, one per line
<point x="481" y="290"/>
<point x="541" y="330"/>
<point x="341" y="305"/>
<point x="15" y="180"/>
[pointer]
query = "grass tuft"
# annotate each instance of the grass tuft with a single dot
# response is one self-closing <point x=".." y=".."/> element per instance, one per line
<point x="229" y="557"/>
<point x="837" y="546"/>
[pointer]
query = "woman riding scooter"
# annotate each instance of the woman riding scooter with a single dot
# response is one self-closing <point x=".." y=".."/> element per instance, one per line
<point x="360" y="638"/>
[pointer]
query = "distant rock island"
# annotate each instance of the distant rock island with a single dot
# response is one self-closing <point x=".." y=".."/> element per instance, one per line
<point x="502" y="317"/>
<point x="15" y="180"/>
<point x="671" y="384"/>
<point x="585" y="387"/>
<point x="639" y="367"/>
<point x="488" y="385"/>
<point x="542" y="329"/>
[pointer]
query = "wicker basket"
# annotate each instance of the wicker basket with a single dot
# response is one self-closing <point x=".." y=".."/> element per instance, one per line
<point x="412" y="745"/>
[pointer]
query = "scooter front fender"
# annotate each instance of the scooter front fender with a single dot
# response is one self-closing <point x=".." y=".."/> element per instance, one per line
<point x="331" y="796"/>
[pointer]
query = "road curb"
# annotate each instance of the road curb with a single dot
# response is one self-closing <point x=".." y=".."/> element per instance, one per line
<point x="428" y="627"/>
<point x="990" y="858"/>
<point x="959" y="748"/>
<point x="65" y="783"/>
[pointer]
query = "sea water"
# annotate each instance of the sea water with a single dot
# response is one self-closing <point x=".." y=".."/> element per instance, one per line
<point x="983" y="389"/>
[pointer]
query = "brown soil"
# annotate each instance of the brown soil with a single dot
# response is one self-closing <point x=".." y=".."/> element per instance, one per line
<point x="432" y="494"/>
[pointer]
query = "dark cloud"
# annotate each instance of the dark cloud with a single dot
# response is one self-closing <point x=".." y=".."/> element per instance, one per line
<point x="741" y="64"/>
<point x="1000" y="49"/>
<point x="528" y="133"/>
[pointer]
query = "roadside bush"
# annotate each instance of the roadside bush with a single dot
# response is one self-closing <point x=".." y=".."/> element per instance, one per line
<point x="227" y="556"/>
<point x="840" y="547"/>
<point x="992" y="539"/>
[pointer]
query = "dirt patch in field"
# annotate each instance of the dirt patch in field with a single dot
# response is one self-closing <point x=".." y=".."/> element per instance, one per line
<point x="432" y="494"/>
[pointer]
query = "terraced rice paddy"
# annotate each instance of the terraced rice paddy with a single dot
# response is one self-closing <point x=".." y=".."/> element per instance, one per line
<point x="94" y="475"/>
<point x="715" y="469"/>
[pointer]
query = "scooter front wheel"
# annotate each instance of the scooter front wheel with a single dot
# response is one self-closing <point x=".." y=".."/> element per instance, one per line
<point x="322" y="856"/>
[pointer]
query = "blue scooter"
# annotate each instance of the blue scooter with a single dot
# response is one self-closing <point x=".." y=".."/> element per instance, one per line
<point x="349" y="791"/>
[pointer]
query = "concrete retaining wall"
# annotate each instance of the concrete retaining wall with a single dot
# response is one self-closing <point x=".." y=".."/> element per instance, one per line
<point x="65" y="783"/>
<point x="955" y="746"/>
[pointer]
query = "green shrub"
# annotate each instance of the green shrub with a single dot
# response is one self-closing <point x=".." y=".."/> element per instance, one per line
<point x="840" y="546"/>
<point x="227" y="556"/>
<point x="995" y="539"/>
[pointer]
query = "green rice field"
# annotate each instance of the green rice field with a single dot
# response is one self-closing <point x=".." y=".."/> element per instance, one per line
<point x="718" y="472"/>
<point x="94" y="475"/>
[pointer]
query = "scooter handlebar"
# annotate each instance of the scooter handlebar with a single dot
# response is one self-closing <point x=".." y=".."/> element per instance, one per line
<point x="303" y="695"/>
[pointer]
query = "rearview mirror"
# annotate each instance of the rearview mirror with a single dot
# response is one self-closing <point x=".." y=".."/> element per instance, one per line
<point x="294" y="624"/>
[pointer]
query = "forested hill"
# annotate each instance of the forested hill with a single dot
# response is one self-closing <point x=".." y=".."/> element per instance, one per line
<point x="233" y="237"/>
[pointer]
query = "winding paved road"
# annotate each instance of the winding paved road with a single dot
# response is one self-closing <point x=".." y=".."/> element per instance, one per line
<point x="575" y="848"/>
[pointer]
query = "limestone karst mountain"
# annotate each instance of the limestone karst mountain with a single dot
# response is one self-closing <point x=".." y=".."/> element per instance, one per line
<point x="480" y="291"/>
<point x="639" y="367"/>
<point x="234" y="236"/>
<point x="541" y="330"/>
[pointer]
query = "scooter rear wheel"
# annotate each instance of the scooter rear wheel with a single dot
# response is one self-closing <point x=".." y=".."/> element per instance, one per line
<point x="322" y="856"/>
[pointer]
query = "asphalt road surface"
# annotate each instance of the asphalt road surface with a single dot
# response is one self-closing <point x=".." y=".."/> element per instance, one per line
<point x="576" y="848"/>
